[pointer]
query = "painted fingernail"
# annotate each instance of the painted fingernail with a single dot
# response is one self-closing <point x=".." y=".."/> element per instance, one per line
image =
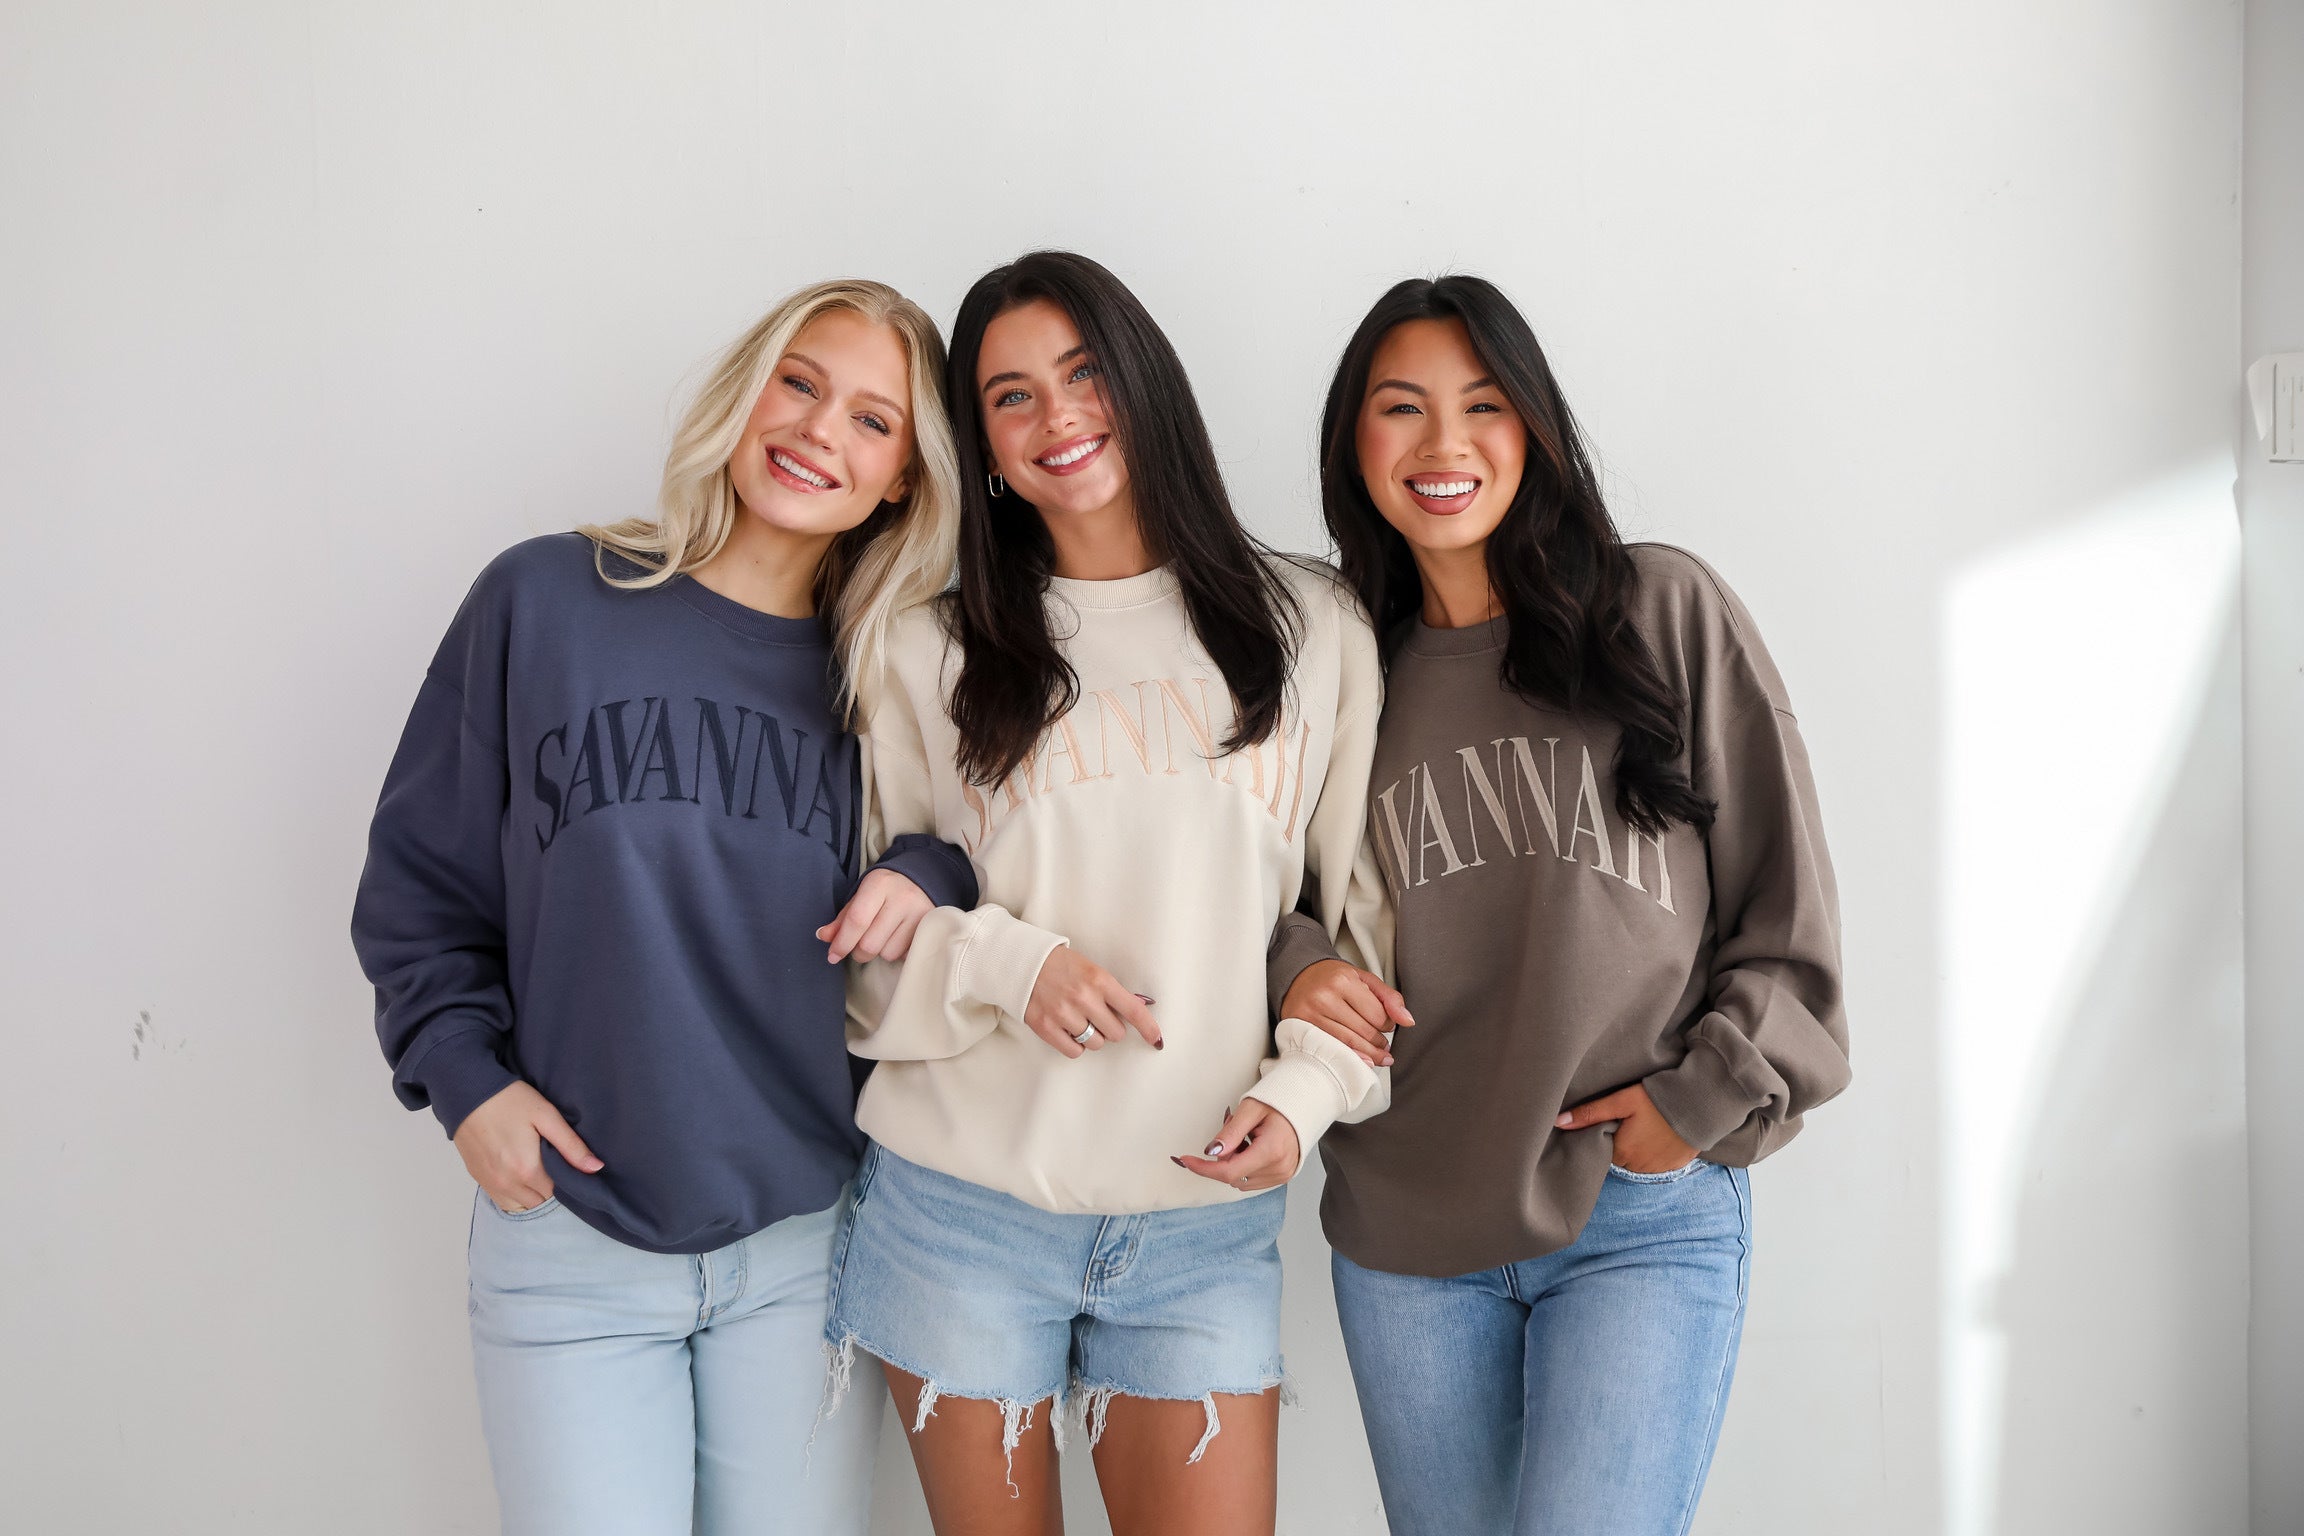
<point x="1146" y="1001"/>
<point x="1215" y="1149"/>
<point x="1179" y="1162"/>
<point x="1565" y="1121"/>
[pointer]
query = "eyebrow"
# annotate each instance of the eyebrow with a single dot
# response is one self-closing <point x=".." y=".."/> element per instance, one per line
<point x="802" y="357"/>
<point x="1485" y="381"/>
<point x="1017" y="378"/>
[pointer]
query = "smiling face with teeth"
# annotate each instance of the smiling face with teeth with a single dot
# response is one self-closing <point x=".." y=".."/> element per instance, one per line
<point x="1045" y="420"/>
<point x="1440" y="447"/>
<point x="829" y="438"/>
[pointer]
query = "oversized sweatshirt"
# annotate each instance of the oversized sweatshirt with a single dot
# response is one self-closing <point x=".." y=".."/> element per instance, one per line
<point x="613" y="823"/>
<point x="1132" y="836"/>
<point x="1551" y="953"/>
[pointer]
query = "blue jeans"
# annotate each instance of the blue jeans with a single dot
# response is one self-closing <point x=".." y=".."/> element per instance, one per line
<point x="1577" y="1392"/>
<point x="628" y="1393"/>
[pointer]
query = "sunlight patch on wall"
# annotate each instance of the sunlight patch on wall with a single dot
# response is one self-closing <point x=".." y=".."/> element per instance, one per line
<point x="2076" y="665"/>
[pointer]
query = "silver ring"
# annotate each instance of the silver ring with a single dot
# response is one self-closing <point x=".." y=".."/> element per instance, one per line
<point x="1085" y="1035"/>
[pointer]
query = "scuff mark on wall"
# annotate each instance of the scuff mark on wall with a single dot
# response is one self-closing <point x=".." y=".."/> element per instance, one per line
<point x="146" y="1036"/>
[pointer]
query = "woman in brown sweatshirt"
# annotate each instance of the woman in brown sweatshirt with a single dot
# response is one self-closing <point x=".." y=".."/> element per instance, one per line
<point x="1593" y="817"/>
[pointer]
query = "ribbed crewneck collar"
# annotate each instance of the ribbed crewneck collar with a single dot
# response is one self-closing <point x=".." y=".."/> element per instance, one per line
<point x="1472" y="640"/>
<point x="1125" y="592"/>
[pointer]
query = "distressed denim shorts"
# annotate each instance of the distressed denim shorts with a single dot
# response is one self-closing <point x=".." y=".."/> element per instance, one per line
<point x="981" y="1295"/>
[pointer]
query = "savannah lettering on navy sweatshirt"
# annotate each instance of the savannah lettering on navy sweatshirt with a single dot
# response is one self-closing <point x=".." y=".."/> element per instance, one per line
<point x="613" y="824"/>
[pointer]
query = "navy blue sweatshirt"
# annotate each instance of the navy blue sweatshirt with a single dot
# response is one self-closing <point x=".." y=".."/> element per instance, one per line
<point x="613" y="825"/>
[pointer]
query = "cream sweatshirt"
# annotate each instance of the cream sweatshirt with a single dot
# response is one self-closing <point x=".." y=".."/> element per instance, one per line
<point x="1132" y="837"/>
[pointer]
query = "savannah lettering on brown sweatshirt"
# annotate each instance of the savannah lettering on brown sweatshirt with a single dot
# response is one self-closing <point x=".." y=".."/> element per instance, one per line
<point x="1552" y="953"/>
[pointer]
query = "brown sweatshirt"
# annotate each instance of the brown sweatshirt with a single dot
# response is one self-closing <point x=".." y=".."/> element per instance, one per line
<point x="1551" y="953"/>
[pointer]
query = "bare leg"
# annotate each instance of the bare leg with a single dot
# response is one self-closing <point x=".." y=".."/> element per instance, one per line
<point x="1151" y="1487"/>
<point x="973" y="1489"/>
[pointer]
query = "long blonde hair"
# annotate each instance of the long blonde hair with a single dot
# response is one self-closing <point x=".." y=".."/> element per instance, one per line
<point x="898" y="557"/>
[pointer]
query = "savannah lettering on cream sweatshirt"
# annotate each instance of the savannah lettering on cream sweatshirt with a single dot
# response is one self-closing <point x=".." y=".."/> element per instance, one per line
<point x="1133" y="837"/>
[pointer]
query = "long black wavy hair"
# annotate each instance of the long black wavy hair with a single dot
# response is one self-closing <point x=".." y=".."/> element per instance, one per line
<point x="1014" y="683"/>
<point x="1557" y="564"/>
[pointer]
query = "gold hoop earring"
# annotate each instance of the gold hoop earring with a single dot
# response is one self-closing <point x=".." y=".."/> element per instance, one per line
<point x="995" y="482"/>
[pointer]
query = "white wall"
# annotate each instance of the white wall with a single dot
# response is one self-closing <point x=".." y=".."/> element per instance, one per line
<point x="2272" y="510"/>
<point x="1917" y="321"/>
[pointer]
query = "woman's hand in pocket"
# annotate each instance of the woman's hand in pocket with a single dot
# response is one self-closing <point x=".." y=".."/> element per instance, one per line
<point x="1645" y="1141"/>
<point x="502" y="1144"/>
<point x="1352" y="1004"/>
<point x="879" y="920"/>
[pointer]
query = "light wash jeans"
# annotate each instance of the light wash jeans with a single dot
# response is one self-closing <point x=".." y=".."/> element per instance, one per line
<point x="628" y="1393"/>
<point x="1579" y="1392"/>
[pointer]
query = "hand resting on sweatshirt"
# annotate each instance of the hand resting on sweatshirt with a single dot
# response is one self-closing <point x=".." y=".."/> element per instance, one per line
<point x="1077" y="1006"/>
<point x="1352" y="1004"/>
<point x="879" y="920"/>
<point x="1258" y="1148"/>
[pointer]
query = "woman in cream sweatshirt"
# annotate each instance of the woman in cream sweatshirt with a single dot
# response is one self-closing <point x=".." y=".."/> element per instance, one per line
<point x="1152" y="738"/>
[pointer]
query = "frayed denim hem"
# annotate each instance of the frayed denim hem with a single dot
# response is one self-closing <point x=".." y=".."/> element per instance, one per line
<point x="1085" y="1404"/>
<point x="1015" y="1412"/>
<point x="1095" y="1402"/>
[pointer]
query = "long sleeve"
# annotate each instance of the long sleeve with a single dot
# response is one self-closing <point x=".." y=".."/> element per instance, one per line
<point x="1772" y="1042"/>
<point x="941" y="871"/>
<point x="1313" y="1078"/>
<point x="428" y="922"/>
<point x="966" y="968"/>
<point x="1299" y="942"/>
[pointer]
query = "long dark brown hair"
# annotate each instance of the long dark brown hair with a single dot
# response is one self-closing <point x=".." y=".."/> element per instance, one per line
<point x="1557" y="564"/>
<point x="1014" y="683"/>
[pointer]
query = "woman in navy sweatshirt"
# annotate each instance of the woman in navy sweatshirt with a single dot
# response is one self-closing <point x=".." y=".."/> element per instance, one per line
<point x="622" y="815"/>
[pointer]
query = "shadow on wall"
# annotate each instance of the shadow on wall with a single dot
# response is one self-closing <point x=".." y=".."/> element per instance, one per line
<point x="2095" y="1214"/>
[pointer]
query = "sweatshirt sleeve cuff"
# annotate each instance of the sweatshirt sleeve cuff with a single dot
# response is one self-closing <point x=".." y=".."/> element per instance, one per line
<point x="1315" y="1081"/>
<point x="1700" y="1098"/>
<point x="1298" y="944"/>
<point x="459" y="1074"/>
<point x="1003" y="960"/>
<point x="938" y="868"/>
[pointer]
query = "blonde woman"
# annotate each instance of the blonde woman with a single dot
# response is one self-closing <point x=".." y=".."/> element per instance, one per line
<point x="624" y="805"/>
